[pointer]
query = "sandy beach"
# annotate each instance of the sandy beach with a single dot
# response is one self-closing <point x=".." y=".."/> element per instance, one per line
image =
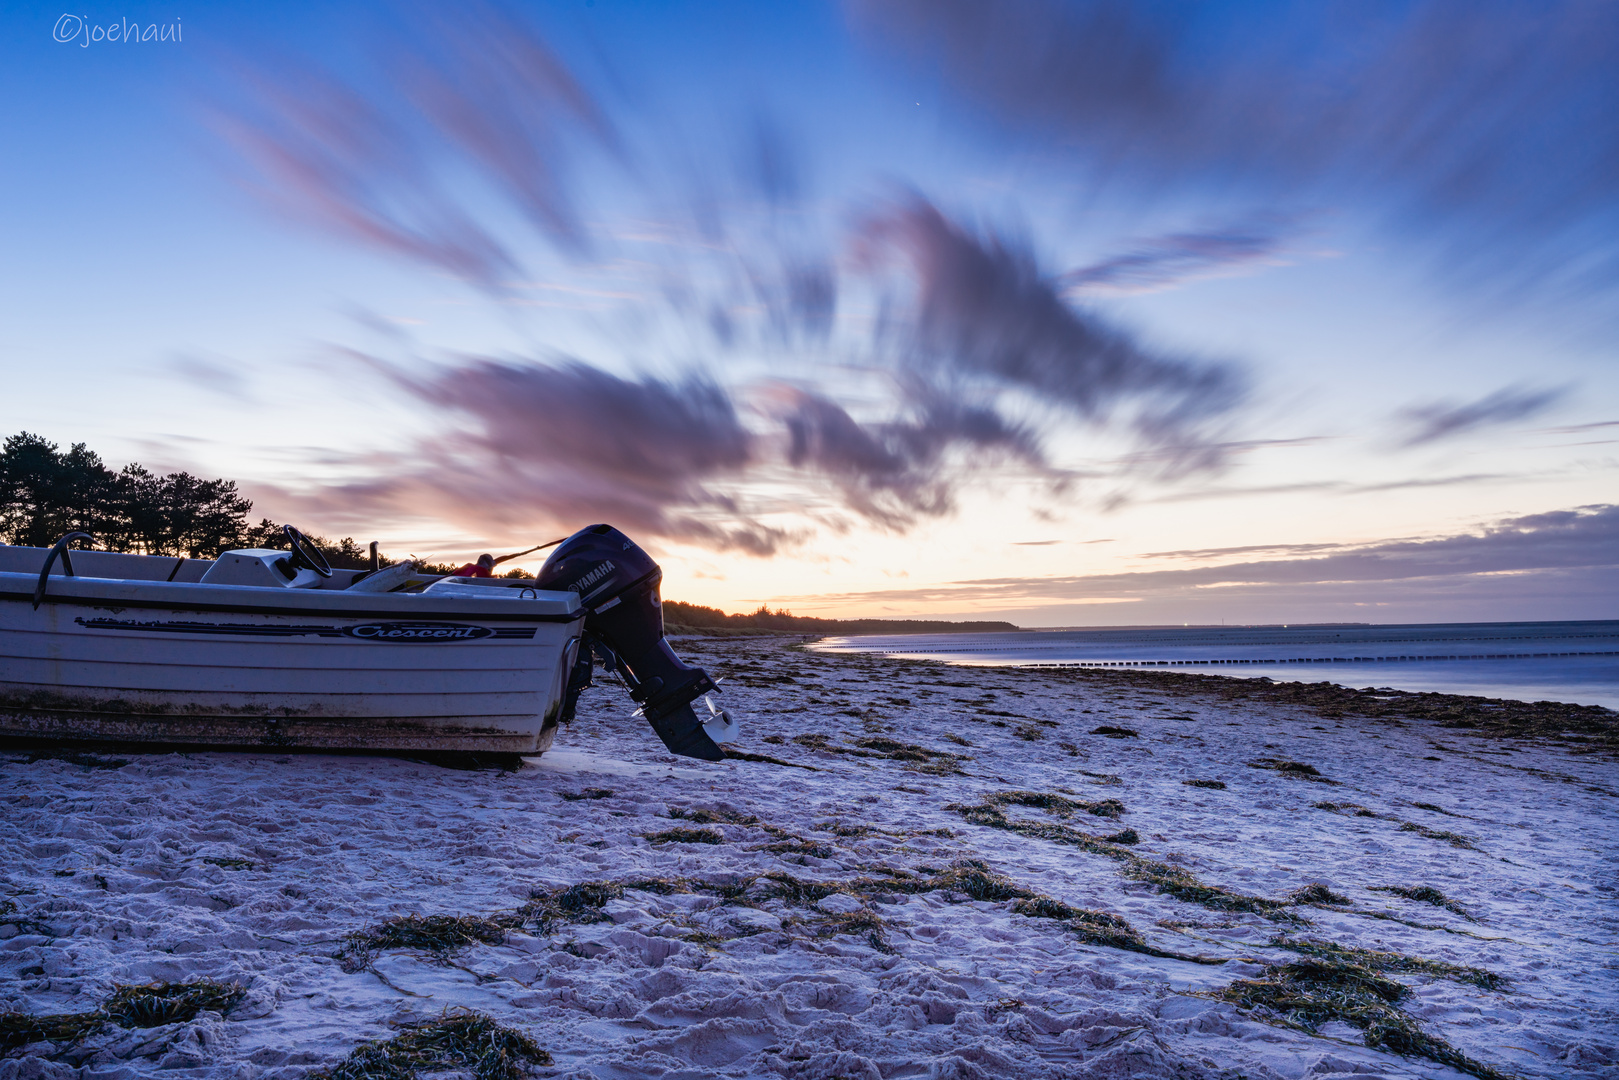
<point x="914" y="871"/>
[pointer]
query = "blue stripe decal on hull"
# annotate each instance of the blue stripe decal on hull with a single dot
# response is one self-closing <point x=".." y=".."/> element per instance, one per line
<point x="390" y="633"/>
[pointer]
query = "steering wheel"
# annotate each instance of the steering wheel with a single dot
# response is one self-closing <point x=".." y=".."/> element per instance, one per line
<point x="306" y="553"/>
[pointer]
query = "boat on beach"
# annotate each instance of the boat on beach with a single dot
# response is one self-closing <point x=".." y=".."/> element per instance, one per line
<point x="271" y="648"/>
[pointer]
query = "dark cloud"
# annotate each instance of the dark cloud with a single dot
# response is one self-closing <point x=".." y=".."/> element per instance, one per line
<point x="1566" y="557"/>
<point x="478" y="94"/>
<point x="530" y="445"/>
<point x="1432" y="423"/>
<point x="1485" y="126"/>
<point x="983" y="309"/>
<point x="896" y="471"/>
<point x="567" y="444"/>
<point x="1161" y="262"/>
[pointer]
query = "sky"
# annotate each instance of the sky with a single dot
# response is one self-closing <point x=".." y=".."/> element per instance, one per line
<point x="1069" y="314"/>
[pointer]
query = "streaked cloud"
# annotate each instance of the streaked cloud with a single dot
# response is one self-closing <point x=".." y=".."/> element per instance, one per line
<point x="384" y="161"/>
<point x="975" y="360"/>
<point x="1158" y="263"/>
<point x="1484" y="130"/>
<point x="1448" y="420"/>
<point x="894" y="472"/>
<point x="983" y="310"/>
<point x="552" y="445"/>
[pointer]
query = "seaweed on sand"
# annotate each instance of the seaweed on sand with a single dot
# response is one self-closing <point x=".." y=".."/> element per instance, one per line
<point x="976" y="881"/>
<point x="838" y="828"/>
<point x="148" y="1005"/>
<point x="587" y="793"/>
<point x="580" y="903"/>
<point x="863" y="923"/>
<point x="1182" y="884"/>
<point x="155" y="1004"/>
<point x="459" y="1039"/>
<point x="228" y="862"/>
<point x="1293" y="770"/>
<point x="1170" y="880"/>
<point x="1454" y="839"/>
<point x="1056" y="804"/>
<point x="439" y="935"/>
<point x="1425" y="894"/>
<point x="913" y="757"/>
<point x="1100" y="928"/>
<point x="786" y="842"/>
<point x="916" y="758"/>
<point x="1436" y="809"/>
<point x="712" y="817"/>
<point x="1304" y="994"/>
<point x="993" y="816"/>
<point x="971" y="879"/>
<point x="1378" y="960"/>
<point x="799" y="845"/>
<point x="1317" y="894"/>
<point x="1346" y="808"/>
<point x="20" y="1028"/>
<point x="1212" y="785"/>
<point x="686" y="836"/>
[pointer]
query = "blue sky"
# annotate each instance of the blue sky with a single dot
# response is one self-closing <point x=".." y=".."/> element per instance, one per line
<point x="1032" y="310"/>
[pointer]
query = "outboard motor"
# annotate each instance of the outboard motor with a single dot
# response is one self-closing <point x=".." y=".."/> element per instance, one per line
<point x="618" y="584"/>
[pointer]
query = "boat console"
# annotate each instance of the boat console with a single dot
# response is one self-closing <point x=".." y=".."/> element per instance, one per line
<point x="262" y="567"/>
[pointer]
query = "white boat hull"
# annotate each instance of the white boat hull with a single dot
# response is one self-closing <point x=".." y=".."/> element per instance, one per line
<point x="130" y="660"/>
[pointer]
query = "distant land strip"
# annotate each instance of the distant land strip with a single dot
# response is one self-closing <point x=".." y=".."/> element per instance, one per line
<point x="681" y="618"/>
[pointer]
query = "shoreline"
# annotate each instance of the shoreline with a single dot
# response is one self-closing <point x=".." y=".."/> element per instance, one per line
<point x="1565" y="721"/>
<point x="1570" y="662"/>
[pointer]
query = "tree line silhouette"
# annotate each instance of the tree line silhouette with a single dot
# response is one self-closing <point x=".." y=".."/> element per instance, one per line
<point x="47" y="492"/>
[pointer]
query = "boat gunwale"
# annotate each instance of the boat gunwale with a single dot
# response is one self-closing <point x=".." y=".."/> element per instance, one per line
<point x="330" y="603"/>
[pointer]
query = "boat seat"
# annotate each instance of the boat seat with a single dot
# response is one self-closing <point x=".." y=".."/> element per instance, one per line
<point x="387" y="579"/>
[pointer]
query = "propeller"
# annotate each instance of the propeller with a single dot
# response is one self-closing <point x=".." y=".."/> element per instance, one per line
<point x="720" y="725"/>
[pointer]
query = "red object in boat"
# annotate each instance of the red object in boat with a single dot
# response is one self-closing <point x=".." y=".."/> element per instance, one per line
<point x="484" y="567"/>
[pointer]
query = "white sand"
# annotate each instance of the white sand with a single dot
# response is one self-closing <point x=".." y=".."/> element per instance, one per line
<point x="111" y="861"/>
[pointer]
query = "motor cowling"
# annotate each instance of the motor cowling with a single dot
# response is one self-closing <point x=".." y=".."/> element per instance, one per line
<point x="619" y="586"/>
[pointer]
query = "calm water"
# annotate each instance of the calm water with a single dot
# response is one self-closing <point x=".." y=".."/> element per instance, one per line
<point x="1557" y="661"/>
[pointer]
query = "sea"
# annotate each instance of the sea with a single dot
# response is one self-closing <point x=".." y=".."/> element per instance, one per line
<point x="1576" y="662"/>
